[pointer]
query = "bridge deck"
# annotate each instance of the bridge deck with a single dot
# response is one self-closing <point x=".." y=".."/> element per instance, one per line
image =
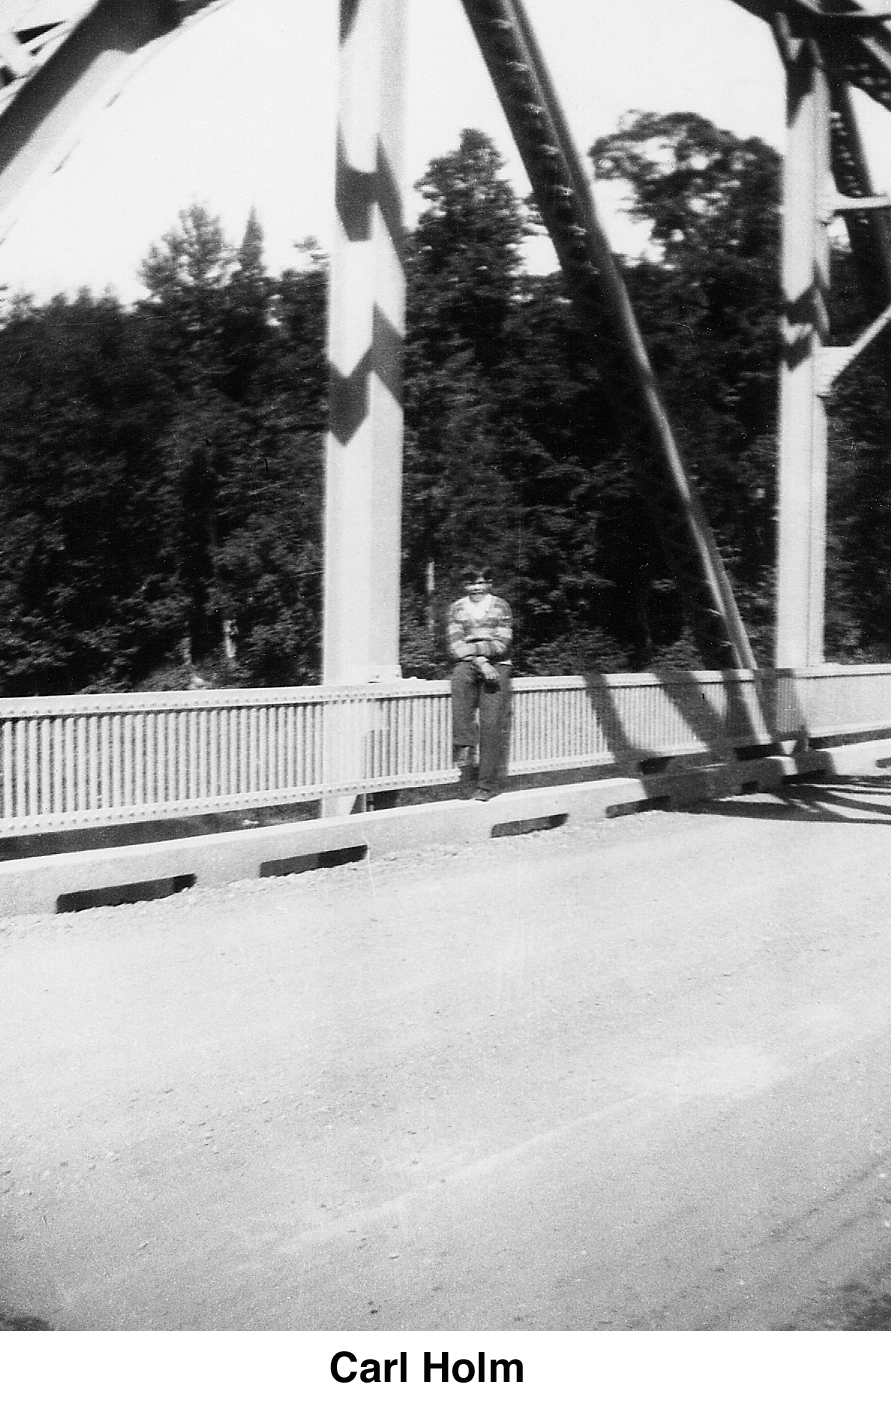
<point x="623" y="1074"/>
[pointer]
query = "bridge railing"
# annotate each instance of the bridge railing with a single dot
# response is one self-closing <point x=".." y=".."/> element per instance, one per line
<point x="831" y="702"/>
<point x="96" y="760"/>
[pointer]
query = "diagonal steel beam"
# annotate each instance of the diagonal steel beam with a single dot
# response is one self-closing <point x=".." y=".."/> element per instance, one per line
<point x="868" y="220"/>
<point x="869" y="230"/>
<point x="566" y="203"/>
<point x="55" y="85"/>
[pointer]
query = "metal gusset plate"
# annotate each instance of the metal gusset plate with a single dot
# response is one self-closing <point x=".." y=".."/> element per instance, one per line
<point x="855" y="39"/>
<point x="854" y="45"/>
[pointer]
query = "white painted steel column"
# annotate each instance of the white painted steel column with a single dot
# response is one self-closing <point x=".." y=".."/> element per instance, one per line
<point x="366" y="328"/>
<point x="801" y="538"/>
<point x="366" y="325"/>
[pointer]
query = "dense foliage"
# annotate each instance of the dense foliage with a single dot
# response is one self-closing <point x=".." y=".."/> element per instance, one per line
<point x="161" y="466"/>
<point x="161" y="475"/>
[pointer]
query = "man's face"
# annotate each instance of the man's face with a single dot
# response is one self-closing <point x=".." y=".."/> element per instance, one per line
<point x="477" y="588"/>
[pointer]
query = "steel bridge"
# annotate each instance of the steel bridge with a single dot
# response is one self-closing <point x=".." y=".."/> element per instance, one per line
<point x="70" y="763"/>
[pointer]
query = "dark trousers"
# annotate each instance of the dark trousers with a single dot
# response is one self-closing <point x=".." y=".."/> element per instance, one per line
<point x="474" y="697"/>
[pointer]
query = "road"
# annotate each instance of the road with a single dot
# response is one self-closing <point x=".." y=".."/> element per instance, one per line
<point x="626" y="1075"/>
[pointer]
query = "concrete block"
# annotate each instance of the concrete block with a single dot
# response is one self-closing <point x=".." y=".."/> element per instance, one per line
<point x="102" y="876"/>
<point x="41" y="884"/>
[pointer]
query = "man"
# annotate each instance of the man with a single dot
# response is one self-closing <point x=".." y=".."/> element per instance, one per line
<point x="480" y="633"/>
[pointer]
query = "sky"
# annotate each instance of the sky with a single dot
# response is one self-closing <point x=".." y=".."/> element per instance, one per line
<point x="238" y="111"/>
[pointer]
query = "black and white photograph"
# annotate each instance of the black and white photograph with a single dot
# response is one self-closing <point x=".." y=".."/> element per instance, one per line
<point x="445" y="699"/>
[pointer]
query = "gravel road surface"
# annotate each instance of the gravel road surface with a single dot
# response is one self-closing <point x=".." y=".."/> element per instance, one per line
<point x="633" y="1074"/>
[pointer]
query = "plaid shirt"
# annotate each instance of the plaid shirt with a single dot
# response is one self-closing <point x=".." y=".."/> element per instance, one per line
<point x="489" y="635"/>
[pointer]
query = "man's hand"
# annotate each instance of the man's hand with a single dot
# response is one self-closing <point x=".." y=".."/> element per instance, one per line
<point x="486" y="669"/>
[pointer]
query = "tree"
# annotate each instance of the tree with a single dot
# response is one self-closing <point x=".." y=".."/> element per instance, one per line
<point x="185" y="276"/>
<point x="88" y="586"/>
<point x="247" y="331"/>
<point x="508" y="423"/>
<point x="161" y="467"/>
<point x="708" y="301"/>
<point x="244" y="355"/>
<point x="465" y="256"/>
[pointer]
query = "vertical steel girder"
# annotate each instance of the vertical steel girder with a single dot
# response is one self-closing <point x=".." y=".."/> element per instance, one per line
<point x="825" y="48"/>
<point x="825" y="173"/>
<point x="365" y="334"/>
<point x="801" y="541"/>
<point x="366" y="325"/>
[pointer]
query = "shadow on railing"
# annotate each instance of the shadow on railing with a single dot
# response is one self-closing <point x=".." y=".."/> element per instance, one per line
<point x="713" y="713"/>
<point x="81" y="762"/>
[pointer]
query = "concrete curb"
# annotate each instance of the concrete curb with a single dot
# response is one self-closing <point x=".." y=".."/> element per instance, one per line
<point x="75" y="880"/>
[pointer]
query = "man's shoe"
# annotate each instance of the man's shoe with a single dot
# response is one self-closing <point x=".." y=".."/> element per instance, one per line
<point x="483" y="795"/>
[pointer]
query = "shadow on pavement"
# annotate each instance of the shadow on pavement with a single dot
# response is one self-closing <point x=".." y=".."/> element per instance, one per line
<point x="855" y="1307"/>
<point x="19" y="1322"/>
<point x="807" y="802"/>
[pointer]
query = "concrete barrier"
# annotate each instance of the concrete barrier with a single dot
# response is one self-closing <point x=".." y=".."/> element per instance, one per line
<point x="111" y="875"/>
